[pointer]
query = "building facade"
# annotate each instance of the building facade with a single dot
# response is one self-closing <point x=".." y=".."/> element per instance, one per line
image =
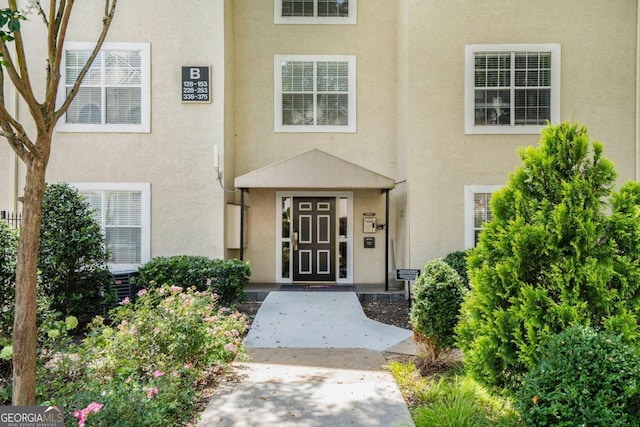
<point x="341" y="138"/>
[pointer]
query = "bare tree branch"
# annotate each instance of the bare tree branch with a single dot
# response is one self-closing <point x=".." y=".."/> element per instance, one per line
<point x="43" y="15"/>
<point x="57" y="35"/>
<point x="110" y="9"/>
<point x="21" y="143"/>
<point x="20" y="79"/>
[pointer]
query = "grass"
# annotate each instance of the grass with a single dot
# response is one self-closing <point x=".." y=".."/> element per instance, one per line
<point x="451" y="399"/>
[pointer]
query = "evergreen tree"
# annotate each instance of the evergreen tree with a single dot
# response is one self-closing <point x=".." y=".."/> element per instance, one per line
<point x="562" y="249"/>
<point x="73" y="256"/>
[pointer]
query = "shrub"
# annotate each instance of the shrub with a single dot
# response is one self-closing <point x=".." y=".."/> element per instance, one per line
<point x="560" y="250"/>
<point x="73" y="256"/>
<point x="584" y="378"/>
<point x="458" y="261"/>
<point x="144" y="368"/>
<point x="437" y="296"/>
<point x="226" y="278"/>
<point x="8" y="254"/>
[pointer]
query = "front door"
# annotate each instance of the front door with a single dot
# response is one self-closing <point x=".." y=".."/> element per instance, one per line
<point x="314" y="239"/>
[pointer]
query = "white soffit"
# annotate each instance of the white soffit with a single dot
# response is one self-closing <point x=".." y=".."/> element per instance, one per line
<point x="314" y="169"/>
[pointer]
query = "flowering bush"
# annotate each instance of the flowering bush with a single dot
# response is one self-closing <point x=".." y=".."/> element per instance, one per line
<point x="143" y="366"/>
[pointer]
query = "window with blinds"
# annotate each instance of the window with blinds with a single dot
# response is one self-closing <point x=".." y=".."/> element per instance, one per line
<point x="477" y="207"/>
<point x="315" y="94"/>
<point x="481" y="213"/>
<point x="315" y="11"/>
<point x="114" y="95"/>
<point x="516" y="90"/>
<point x="120" y="215"/>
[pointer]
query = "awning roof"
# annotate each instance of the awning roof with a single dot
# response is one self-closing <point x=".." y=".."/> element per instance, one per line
<point x="314" y="169"/>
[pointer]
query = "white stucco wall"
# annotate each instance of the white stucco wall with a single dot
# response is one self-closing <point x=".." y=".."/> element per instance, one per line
<point x="598" y="81"/>
<point x="176" y="157"/>
<point x="372" y="41"/>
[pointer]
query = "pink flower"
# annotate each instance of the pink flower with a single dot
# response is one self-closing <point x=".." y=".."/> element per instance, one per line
<point x="142" y="292"/>
<point x="125" y="301"/>
<point x="230" y="347"/>
<point x="175" y="289"/>
<point x="157" y="373"/>
<point x="187" y="366"/>
<point x="82" y="414"/>
<point x="152" y="391"/>
<point x="128" y="380"/>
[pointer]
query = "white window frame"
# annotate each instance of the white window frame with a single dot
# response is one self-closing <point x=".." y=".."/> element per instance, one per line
<point x="469" y="208"/>
<point x="349" y="238"/>
<point x="351" y="19"/>
<point x="145" y="103"/>
<point x="471" y="50"/>
<point x="277" y="94"/>
<point x="145" y="213"/>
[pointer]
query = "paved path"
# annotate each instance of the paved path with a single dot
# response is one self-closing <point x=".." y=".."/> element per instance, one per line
<point x="315" y="361"/>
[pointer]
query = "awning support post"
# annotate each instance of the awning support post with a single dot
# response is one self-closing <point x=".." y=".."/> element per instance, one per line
<point x="242" y="219"/>
<point x="386" y="243"/>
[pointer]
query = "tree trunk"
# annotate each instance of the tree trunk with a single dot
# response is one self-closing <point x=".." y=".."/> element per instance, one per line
<point x="25" y="334"/>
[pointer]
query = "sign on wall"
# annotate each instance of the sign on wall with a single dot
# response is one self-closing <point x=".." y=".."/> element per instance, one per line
<point x="196" y="84"/>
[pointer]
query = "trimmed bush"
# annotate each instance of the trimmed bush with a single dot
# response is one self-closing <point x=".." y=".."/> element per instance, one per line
<point x="73" y="256"/>
<point x="226" y="278"/>
<point x="458" y="261"/>
<point x="437" y="296"/>
<point x="561" y="249"/>
<point x="584" y="378"/>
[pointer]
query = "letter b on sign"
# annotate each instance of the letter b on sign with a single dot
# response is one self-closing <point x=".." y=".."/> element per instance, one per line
<point x="194" y="73"/>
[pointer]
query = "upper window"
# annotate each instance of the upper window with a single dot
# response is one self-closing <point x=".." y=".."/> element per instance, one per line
<point x="114" y="95"/>
<point x="123" y="211"/>
<point x="314" y="11"/>
<point x="315" y="93"/>
<point x="511" y="88"/>
<point x="477" y="210"/>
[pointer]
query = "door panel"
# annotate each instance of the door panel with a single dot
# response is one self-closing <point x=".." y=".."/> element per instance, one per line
<point x="314" y="239"/>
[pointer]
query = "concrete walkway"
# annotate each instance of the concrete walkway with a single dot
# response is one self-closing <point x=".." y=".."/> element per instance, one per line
<point x="315" y="360"/>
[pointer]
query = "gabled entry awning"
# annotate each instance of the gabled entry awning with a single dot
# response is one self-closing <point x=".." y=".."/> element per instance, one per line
<point x="314" y="169"/>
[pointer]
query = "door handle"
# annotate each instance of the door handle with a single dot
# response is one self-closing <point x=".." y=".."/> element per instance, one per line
<point x="295" y="240"/>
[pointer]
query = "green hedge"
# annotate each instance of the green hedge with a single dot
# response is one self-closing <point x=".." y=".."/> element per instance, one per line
<point x="226" y="278"/>
<point x="438" y="294"/>
<point x="458" y="261"/>
<point x="584" y="377"/>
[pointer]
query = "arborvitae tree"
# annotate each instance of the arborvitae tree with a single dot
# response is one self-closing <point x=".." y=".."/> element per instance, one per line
<point x="562" y="249"/>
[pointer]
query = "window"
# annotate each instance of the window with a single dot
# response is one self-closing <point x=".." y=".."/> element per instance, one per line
<point x="315" y="93"/>
<point x="477" y="210"/>
<point x="314" y="11"/>
<point x="114" y="96"/>
<point x="511" y="88"/>
<point x="123" y="211"/>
